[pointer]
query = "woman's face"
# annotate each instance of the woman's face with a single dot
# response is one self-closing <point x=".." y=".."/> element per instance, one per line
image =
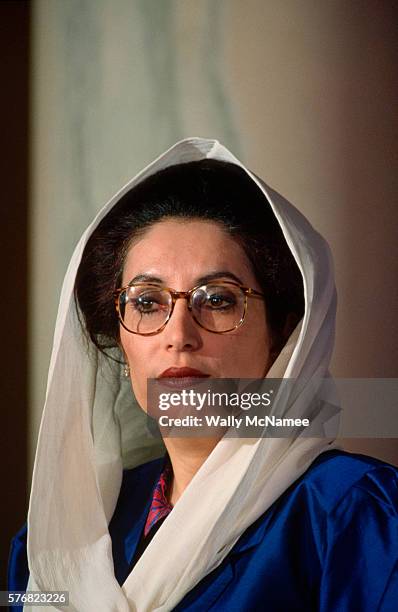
<point x="180" y="253"/>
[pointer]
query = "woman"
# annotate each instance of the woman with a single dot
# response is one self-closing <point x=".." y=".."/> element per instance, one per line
<point x="221" y="524"/>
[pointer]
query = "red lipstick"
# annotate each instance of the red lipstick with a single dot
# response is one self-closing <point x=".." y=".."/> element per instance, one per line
<point x="182" y="378"/>
<point x="183" y="373"/>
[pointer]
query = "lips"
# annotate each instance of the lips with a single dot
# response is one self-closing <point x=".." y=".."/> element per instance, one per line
<point x="183" y="373"/>
<point x="182" y="378"/>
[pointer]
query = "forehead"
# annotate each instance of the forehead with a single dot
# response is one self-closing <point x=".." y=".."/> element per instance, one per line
<point x="184" y="250"/>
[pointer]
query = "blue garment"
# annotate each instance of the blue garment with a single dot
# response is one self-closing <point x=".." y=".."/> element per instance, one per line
<point x="329" y="543"/>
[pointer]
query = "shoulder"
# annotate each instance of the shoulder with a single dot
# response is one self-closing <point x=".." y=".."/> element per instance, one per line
<point x="339" y="495"/>
<point x="329" y="542"/>
<point x="359" y="530"/>
<point x="335" y="530"/>
<point x="336" y="474"/>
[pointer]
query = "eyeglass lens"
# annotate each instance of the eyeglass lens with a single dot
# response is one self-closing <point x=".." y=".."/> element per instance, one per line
<point x="215" y="307"/>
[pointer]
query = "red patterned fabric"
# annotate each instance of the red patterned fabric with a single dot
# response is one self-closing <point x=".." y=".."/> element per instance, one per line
<point x="160" y="506"/>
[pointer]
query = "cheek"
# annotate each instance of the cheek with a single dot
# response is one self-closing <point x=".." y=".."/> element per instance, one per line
<point x="245" y="354"/>
<point x="135" y="348"/>
<point x="253" y="349"/>
<point x="253" y="355"/>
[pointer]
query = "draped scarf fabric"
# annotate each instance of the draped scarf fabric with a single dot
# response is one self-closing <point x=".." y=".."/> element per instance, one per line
<point x="91" y="427"/>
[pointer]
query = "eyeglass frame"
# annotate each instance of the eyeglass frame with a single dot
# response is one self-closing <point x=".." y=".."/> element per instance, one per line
<point x="187" y="295"/>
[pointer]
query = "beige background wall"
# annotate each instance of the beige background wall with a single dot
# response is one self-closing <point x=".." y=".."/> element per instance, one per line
<point x="304" y="91"/>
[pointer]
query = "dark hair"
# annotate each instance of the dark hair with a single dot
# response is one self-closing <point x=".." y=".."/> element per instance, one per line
<point x="209" y="190"/>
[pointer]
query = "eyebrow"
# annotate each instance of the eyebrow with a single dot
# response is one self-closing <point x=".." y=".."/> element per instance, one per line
<point x="218" y="274"/>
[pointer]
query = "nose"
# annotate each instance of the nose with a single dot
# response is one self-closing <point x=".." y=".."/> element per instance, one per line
<point x="181" y="332"/>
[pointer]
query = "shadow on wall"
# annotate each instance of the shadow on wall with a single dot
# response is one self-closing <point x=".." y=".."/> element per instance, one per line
<point x="14" y="107"/>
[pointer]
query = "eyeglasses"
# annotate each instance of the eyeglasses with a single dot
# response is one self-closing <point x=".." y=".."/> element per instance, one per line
<point x="219" y="307"/>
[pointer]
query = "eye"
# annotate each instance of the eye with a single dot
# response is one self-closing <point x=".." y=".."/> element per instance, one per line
<point x="220" y="300"/>
<point x="145" y="304"/>
<point x="149" y="303"/>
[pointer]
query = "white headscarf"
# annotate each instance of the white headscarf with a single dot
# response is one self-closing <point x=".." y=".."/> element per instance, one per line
<point x="90" y="428"/>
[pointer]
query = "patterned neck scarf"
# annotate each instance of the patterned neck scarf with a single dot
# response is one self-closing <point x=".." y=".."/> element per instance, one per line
<point x="160" y="506"/>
